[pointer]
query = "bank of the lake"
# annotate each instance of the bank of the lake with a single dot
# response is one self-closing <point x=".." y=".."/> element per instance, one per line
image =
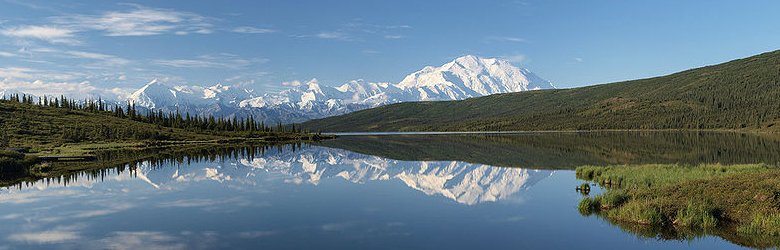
<point x="737" y="202"/>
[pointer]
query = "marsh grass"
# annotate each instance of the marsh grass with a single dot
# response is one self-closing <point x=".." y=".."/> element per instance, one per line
<point x="767" y="224"/>
<point x="697" y="215"/>
<point x="690" y="200"/>
<point x="588" y="206"/>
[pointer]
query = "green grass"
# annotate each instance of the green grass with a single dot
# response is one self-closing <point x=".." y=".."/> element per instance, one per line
<point x="737" y="95"/>
<point x="697" y="214"/>
<point x="728" y="199"/>
<point x="762" y="224"/>
<point x="653" y="175"/>
<point x="48" y="130"/>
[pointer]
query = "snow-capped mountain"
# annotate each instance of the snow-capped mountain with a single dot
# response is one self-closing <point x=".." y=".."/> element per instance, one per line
<point x="469" y="76"/>
<point x="464" y="77"/>
<point x="216" y="100"/>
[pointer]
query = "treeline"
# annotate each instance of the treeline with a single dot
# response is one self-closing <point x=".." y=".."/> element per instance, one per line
<point x="160" y="118"/>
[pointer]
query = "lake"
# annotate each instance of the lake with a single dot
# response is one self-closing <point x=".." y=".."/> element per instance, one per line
<point x="452" y="191"/>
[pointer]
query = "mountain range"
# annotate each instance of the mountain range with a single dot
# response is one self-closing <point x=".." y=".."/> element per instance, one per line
<point x="737" y="95"/>
<point x="465" y="77"/>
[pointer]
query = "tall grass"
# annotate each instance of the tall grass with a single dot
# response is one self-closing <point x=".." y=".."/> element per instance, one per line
<point x="648" y="176"/>
<point x="762" y="223"/>
<point x="697" y="215"/>
<point x="690" y="198"/>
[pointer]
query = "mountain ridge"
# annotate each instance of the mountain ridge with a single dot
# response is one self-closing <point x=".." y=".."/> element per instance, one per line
<point x="739" y="94"/>
<point x="465" y="77"/>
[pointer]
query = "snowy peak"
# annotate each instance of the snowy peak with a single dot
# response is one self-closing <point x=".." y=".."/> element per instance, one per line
<point x="464" y="77"/>
<point x="152" y="95"/>
<point x="155" y="95"/>
<point x="470" y="76"/>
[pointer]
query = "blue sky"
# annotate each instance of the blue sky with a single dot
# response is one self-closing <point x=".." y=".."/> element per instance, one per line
<point x="111" y="48"/>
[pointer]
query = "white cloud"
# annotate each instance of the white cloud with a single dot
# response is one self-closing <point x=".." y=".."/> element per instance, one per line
<point x="252" y="30"/>
<point x="7" y="54"/>
<point x="106" y="59"/>
<point x="47" y="33"/>
<point x="142" y="240"/>
<point x="334" y="35"/>
<point x="140" y="21"/>
<point x="45" y="237"/>
<point x="72" y="89"/>
<point x="505" y="39"/>
<point x="294" y="83"/>
<point x="256" y="234"/>
<point x="519" y="58"/>
<point x="57" y="234"/>
<point x="394" y="36"/>
<point x="227" y="61"/>
<point x="579" y="59"/>
<point x="15" y="73"/>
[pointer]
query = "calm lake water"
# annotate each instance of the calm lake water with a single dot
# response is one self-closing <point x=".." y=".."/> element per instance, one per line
<point x="356" y="192"/>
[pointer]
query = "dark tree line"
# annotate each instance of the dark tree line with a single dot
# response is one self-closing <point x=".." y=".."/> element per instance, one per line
<point x="160" y="118"/>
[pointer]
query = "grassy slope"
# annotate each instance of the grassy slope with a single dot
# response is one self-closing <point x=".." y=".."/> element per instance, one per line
<point x="734" y="95"/>
<point x="42" y="129"/>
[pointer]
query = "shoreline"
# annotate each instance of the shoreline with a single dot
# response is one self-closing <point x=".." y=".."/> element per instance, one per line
<point x="541" y="131"/>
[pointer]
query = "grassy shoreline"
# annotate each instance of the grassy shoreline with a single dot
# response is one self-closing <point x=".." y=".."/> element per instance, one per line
<point x="743" y="200"/>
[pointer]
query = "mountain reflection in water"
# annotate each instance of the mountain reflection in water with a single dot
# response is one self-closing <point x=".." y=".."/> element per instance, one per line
<point x="353" y="192"/>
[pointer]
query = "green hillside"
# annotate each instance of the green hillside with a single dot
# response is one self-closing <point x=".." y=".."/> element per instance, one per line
<point x="741" y="94"/>
<point x="42" y="130"/>
<point x="34" y="137"/>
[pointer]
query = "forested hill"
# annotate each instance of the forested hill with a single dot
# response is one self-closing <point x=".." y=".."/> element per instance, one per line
<point x="47" y="123"/>
<point x="740" y="94"/>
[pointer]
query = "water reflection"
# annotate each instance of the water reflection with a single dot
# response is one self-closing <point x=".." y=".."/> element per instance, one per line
<point x="465" y="183"/>
<point x="567" y="150"/>
<point x="367" y="192"/>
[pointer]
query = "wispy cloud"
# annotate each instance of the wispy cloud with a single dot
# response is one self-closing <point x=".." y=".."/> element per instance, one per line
<point x="505" y="39"/>
<point x="40" y="82"/>
<point x="7" y="54"/>
<point x="227" y="61"/>
<point x="57" y="234"/>
<point x="110" y="60"/>
<point x="256" y="234"/>
<point x="252" y="30"/>
<point x="47" y="33"/>
<point x="45" y="237"/>
<point x="103" y="60"/>
<point x="370" y="52"/>
<point x="517" y="58"/>
<point x="334" y="35"/>
<point x="142" y="240"/>
<point x="74" y="89"/>
<point x="357" y="31"/>
<point x="139" y="21"/>
<point x="579" y="59"/>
